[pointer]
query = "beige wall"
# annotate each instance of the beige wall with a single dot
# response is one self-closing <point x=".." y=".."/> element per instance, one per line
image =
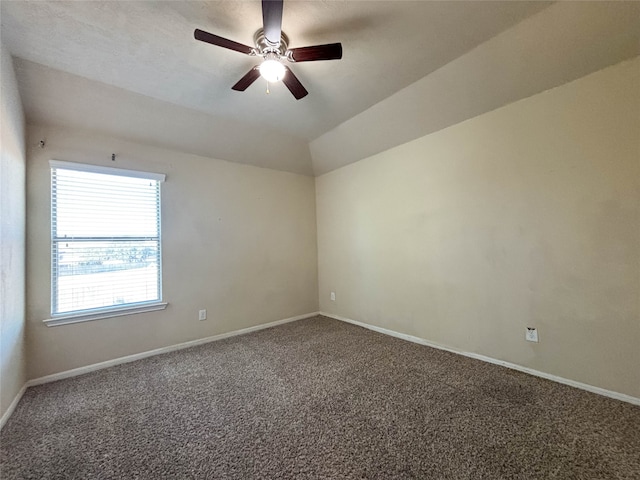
<point x="525" y="216"/>
<point x="238" y="240"/>
<point x="12" y="236"/>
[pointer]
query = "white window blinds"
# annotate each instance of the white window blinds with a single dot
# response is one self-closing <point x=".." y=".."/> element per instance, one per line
<point x="106" y="248"/>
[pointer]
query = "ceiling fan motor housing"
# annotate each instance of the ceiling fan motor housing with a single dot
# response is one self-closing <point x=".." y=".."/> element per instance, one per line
<point x="263" y="46"/>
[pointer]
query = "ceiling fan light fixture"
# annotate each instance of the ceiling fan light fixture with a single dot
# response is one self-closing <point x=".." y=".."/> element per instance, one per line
<point x="272" y="70"/>
<point x="273" y="52"/>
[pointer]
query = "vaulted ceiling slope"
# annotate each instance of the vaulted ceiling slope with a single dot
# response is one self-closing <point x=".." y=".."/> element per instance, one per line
<point x="133" y="69"/>
<point x="561" y="43"/>
<point x="54" y="97"/>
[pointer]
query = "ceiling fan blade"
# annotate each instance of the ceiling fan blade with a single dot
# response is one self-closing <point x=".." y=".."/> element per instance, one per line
<point x="272" y="20"/>
<point x="251" y="76"/>
<point x="294" y="85"/>
<point x="221" y="42"/>
<point x="330" y="51"/>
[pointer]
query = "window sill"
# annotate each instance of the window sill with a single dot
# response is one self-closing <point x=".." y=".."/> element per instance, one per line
<point x="99" y="315"/>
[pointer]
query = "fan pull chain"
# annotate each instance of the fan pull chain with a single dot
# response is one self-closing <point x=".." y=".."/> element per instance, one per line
<point x="268" y="92"/>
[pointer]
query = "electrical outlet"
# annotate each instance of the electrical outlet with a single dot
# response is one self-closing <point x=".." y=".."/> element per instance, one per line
<point x="531" y="335"/>
<point x="202" y="315"/>
<point x="333" y="296"/>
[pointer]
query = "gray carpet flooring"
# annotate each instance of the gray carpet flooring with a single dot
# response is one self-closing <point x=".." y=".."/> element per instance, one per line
<point x="316" y="398"/>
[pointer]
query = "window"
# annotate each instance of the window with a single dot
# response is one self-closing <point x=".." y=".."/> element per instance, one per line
<point x="105" y="241"/>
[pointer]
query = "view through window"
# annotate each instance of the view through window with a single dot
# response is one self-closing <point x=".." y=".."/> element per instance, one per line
<point x="106" y="250"/>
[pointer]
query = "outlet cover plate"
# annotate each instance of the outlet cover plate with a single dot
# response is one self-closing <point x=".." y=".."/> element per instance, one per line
<point x="333" y="296"/>
<point x="202" y="315"/>
<point x="531" y="335"/>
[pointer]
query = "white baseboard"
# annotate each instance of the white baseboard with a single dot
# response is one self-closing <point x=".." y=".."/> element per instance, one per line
<point x="583" y="386"/>
<point x="13" y="406"/>
<point x="150" y="353"/>
<point x="131" y="358"/>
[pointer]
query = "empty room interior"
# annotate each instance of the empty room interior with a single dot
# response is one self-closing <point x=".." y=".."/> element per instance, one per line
<point x="320" y="239"/>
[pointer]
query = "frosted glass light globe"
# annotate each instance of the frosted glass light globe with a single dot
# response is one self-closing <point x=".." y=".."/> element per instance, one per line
<point x="272" y="70"/>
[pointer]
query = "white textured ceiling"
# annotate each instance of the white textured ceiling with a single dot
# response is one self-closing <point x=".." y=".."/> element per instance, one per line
<point x="133" y="69"/>
<point x="148" y="47"/>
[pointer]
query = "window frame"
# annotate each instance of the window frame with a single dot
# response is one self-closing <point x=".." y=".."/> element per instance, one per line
<point x="113" y="310"/>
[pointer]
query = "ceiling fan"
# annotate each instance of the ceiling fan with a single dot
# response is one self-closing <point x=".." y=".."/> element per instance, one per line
<point x="272" y="44"/>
